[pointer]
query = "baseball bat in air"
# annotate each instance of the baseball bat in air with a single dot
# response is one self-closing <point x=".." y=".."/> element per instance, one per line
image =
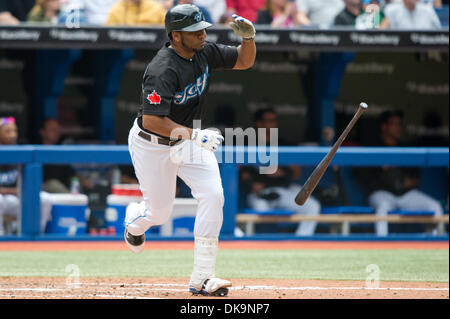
<point x="318" y="172"/>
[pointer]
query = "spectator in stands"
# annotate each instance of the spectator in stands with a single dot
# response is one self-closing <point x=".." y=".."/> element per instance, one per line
<point x="245" y="8"/>
<point x="390" y="188"/>
<point x="278" y="14"/>
<point x="277" y="190"/>
<point x="435" y="3"/>
<point x="56" y="178"/>
<point x="45" y="11"/>
<point x="13" y="12"/>
<point x="204" y="11"/>
<point x="136" y="12"/>
<point x="216" y="8"/>
<point x="91" y="12"/>
<point x="318" y="13"/>
<point x="167" y="4"/>
<point x="410" y="14"/>
<point x="373" y="14"/>
<point x="9" y="177"/>
<point x="347" y="17"/>
<point x="360" y="14"/>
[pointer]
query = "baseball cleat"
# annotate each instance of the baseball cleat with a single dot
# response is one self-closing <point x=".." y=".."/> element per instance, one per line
<point x="135" y="243"/>
<point x="215" y="287"/>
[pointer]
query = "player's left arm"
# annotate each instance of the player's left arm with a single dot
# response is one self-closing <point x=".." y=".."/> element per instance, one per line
<point x="247" y="50"/>
<point x="246" y="55"/>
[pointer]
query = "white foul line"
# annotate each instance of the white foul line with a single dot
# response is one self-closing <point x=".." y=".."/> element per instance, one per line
<point x="157" y="286"/>
<point x="337" y="288"/>
<point x="32" y="289"/>
<point x="266" y="287"/>
<point x="136" y="288"/>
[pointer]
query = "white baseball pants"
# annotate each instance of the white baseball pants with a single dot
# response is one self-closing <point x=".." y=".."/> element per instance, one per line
<point x="157" y="166"/>
<point x="10" y="206"/>
<point x="311" y="207"/>
<point x="414" y="200"/>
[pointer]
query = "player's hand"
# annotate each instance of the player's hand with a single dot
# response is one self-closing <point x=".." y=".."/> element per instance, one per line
<point x="243" y="27"/>
<point x="208" y="139"/>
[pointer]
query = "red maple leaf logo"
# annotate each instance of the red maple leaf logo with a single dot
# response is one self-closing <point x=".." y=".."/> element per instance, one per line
<point x="154" y="98"/>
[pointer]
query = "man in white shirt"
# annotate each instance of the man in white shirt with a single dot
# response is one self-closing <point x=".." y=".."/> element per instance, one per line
<point x="320" y="13"/>
<point x="94" y="12"/>
<point x="410" y="14"/>
<point x="216" y="8"/>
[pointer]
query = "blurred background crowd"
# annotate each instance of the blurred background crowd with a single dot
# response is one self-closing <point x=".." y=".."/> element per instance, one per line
<point x="391" y="188"/>
<point x="411" y="14"/>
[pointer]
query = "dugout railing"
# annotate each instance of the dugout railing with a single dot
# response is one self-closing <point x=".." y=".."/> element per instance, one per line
<point x="32" y="158"/>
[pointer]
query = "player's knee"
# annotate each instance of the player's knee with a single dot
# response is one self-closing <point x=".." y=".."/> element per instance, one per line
<point x="216" y="195"/>
<point x="315" y="207"/>
<point x="160" y="219"/>
<point x="436" y="207"/>
<point x="381" y="205"/>
<point x="160" y="216"/>
<point x="213" y="195"/>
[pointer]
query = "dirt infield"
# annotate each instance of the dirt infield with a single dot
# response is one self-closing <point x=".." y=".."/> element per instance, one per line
<point x="174" y="288"/>
<point x="164" y="288"/>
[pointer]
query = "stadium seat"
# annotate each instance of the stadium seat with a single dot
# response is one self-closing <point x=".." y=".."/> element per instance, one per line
<point x="348" y="210"/>
<point x="410" y="213"/>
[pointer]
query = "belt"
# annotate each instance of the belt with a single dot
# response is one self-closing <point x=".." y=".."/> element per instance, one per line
<point x="158" y="140"/>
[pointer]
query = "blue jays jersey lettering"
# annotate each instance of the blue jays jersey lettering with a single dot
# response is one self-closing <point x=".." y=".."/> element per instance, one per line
<point x="193" y="90"/>
<point x="181" y="85"/>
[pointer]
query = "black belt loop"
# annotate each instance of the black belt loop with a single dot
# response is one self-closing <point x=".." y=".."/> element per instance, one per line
<point x="159" y="140"/>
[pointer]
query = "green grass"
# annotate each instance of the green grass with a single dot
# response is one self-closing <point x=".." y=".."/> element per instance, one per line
<point x="394" y="265"/>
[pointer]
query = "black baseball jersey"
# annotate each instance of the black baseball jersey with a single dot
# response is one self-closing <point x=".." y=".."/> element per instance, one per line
<point x="177" y="87"/>
<point x="9" y="175"/>
<point x="18" y="9"/>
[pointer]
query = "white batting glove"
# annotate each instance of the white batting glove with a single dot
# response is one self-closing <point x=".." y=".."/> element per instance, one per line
<point x="243" y="27"/>
<point x="208" y="139"/>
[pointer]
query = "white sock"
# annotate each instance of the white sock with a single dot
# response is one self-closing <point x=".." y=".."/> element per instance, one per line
<point x="205" y="252"/>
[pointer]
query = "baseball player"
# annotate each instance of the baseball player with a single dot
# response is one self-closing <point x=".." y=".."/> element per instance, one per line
<point x="9" y="180"/>
<point x="164" y="143"/>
